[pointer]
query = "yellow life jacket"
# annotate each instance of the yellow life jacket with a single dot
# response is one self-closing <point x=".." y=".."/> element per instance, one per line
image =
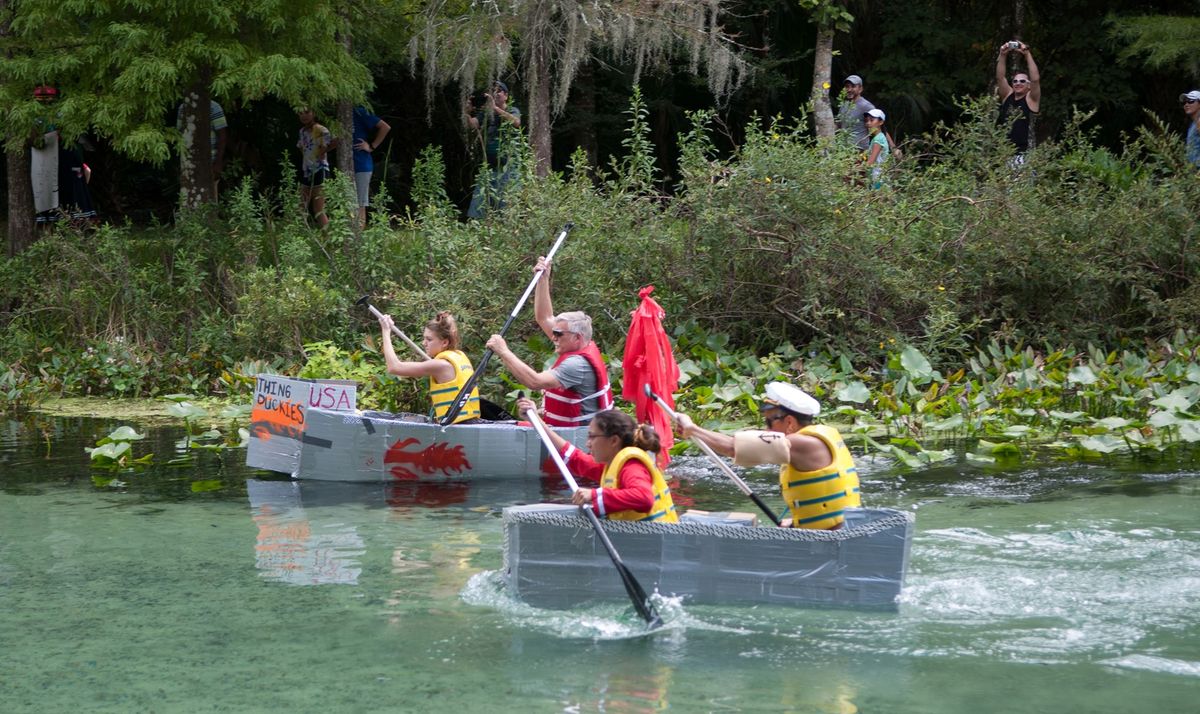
<point x="664" y="507"/>
<point x="818" y="498"/>
<point x="442" y="393"/>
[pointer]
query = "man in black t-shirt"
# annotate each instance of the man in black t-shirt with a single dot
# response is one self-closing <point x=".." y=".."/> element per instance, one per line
<point x="1021" y="98"/>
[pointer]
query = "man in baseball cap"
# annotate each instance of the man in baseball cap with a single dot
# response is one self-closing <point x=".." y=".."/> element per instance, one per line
<point x="851" y="111"/>
<point x="817" y="475"/>
<point x="1191" y="107"/>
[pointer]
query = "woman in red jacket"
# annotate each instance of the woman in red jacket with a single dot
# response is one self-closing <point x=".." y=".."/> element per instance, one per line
<point x="631" y="486"/>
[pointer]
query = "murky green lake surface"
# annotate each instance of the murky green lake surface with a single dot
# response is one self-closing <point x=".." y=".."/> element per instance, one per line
<point x="1059" y="588"/>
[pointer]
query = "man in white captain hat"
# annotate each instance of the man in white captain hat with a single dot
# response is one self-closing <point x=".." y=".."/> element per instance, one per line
<point x="817" y="475"/>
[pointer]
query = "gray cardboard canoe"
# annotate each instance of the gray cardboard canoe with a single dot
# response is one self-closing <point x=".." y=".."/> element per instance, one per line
<point x="553" y="559"/>
<point x="334" y="445"/>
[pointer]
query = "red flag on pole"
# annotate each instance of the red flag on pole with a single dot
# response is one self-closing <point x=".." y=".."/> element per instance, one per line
<point x="649" y="360"/>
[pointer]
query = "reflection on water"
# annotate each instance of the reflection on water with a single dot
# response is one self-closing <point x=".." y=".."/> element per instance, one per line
<point x="291" y="548"/>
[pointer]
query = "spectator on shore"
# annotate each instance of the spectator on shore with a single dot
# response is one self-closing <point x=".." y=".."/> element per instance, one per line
<point x="58" y="175"/>
<point x="1191" y="107"/>
<point x="369" y="133"/>
<point x="881" y="147"/>
<point x="1020" y="100"/>
<point x="315" y="143"/>
<point x="486" y="119"/>
<point x="852" y="112"/>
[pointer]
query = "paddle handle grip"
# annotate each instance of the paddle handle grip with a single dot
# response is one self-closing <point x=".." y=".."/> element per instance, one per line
<point x="562" y="236"/>
<point x="399" y="333"/>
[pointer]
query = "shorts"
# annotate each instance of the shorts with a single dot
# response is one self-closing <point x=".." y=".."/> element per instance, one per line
<point x="316" y="178"/>
<point x="362" y="184"/>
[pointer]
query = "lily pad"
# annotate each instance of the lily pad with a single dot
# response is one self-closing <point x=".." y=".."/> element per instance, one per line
<point x="916" y="364"/>
<point x="954" y="422"/>
<point x="124" y="433"/>
<point x="1104" y="444"/>
<point x="1112" y="423"/>
<point x="111" y="451"/>
<point x="186" y="410"/>
<point x="1190" y="431"/>
<point x="856" y="392"/>
<point x="1082" y="374"/>
<point x="1179" y="400"/>
<point x="1067" y="416"/>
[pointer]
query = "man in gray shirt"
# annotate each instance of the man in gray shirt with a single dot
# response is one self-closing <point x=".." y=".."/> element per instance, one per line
<point x="576" y="386"/>
<point x="851" y="112"/>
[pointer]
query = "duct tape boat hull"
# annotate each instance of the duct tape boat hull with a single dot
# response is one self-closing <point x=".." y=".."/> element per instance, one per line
<point x="554" y="560"/>
<point x="333" y="445"/>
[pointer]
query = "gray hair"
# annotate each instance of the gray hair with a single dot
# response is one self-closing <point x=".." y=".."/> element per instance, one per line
<point x="577" y="322"/>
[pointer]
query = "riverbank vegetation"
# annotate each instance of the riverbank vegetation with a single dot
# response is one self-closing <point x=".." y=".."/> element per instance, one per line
<point x="1053" y="302"/>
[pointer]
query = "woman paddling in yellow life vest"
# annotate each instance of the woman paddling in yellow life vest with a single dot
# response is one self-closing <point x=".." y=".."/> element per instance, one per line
<point x="817" y="475"/>
<point x="448" y="370"/>
<point x="631" y="486"/>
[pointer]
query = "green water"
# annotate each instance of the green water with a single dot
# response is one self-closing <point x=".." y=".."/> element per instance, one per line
<point x="1052" y="589"/>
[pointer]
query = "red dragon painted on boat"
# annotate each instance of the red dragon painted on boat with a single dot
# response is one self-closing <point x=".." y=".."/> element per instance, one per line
<point x="438" y="457"/>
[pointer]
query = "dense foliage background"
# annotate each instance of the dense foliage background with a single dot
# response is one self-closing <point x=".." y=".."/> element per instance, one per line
<point x="918" y="60"/>
<point x="763" y="242"/>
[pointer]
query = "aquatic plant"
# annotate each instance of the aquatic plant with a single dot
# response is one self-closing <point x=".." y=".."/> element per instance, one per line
<point x="114" y="452"/>
<point x="1008" y="399"/>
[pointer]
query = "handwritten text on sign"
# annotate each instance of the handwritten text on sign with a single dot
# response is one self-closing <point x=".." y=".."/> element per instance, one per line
<point x="279" y="402"/>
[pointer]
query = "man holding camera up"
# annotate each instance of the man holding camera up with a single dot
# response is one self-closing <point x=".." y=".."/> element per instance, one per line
<point x="1022" y="97"/>
<point x="485" y="114"/>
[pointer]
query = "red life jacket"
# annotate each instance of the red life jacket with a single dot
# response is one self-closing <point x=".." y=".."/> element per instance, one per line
<point x="563" y="406"/>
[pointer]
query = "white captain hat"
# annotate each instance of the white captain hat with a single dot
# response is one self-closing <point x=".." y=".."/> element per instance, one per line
<point x="792" y="398"/>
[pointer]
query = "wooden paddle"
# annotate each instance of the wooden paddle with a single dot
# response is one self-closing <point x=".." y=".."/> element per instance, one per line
<point x="366" y="300"/>
<point x="461" y="398"/>
<point x="641" y="602"/>
<point x="717" y="460"/>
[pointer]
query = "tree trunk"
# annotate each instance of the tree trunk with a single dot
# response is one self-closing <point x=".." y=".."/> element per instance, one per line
<point x="822" y="71"/>
<point x="345" y="138"/>
<point x="20" y="202"/>
<point x="20" y="187"/>
<point x="539" y="107"/>
<point x="345" y="119"/>
<point x="196" y="186"/>
<point x="583" y="105"/>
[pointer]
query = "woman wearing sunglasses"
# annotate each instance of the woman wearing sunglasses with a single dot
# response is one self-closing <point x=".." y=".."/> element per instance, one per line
<point x="631" y="486"/>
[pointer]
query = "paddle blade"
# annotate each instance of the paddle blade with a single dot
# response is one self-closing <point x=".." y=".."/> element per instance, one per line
<point x="641" y="602"/>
